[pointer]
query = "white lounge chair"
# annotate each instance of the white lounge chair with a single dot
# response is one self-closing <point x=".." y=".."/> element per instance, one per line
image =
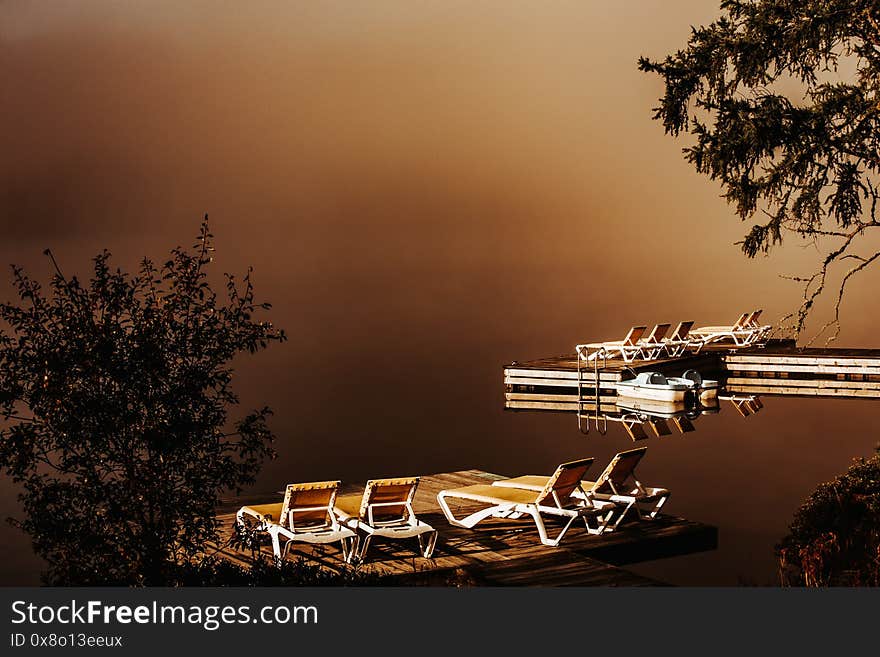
<point x="740" y="332"/>
<point x="617" y="484"/>
<point x="629" y="348"/>
<point x="681" y="340"/>
<point x="385" y="509"/>
<point x="306" y="516"/>
<point x="654" y="344"/>
<point x="555" y="499"/>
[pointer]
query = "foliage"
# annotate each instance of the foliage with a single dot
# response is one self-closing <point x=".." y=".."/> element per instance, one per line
<point x="834" y="538"/>
<point x="115" y="395"/>
<point x="775" y="120"/>
<point x="212" y="571"/>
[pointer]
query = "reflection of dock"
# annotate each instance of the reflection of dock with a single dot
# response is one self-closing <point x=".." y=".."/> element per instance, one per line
<point x="780" y="368"/>
<point x="507" y="552"/>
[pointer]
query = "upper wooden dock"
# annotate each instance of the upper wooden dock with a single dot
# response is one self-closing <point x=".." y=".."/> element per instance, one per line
<point x="779" y="368"/>
<point x="506" y="552"/>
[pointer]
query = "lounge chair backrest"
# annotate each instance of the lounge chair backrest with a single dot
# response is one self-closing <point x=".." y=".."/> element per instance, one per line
<point x="388" y="500"/>
<point x="741" y="322"/>
<point x="681" y="331"/>
<point x="753" y="318"/>
<point x="565" y="481"/>
<point x="657" y="333"/>
<point x="634" y="335"/>
<point x="309" y="504"/>
<point x="618" y="471"/>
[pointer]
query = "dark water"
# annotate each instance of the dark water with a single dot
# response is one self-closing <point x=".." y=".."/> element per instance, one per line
<point x="428" y="191"/>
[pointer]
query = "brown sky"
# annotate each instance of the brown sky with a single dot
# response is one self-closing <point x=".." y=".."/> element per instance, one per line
<point x="427" y="190"/>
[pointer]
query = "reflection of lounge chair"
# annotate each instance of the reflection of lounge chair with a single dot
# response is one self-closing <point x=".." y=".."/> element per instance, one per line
<point x="741" y="334"/>
<point x="653" y="345"/>
<point x="385" y="509"/>
<point x="560" y="496"/>
<point x="659" y="426"/>
<point x="745" y="406"/>
<point x="683" y="424"/>
<point x="305" y="515"/>
<point x="616" y="484"/>
<point x="740" y="406"/>
<point x="680" y="340"/>
<point x="634" y="428"/>
<point x="629" y="348"/>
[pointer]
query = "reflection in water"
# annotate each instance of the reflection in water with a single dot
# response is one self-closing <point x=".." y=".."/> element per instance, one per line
<point x="642" y="419"/>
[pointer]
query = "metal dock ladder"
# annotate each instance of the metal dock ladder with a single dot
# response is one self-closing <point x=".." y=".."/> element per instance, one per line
<point x="584" y="427"/>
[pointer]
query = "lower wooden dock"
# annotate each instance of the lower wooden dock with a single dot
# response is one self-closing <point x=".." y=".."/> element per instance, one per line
<point x="502" y="552"/>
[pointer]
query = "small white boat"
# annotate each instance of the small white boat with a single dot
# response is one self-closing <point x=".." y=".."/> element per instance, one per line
<point x="657" y="387"/>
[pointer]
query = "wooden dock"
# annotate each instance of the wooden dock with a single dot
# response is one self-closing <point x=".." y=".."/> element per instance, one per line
<point x="789" y="371"/>
<point x="502" y="552"/>
<point x="779" y="368"/>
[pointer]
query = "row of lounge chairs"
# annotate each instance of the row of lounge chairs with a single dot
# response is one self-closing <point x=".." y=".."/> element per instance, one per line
<point x="314" y="513"/>
<point x="601" y="504"/>
<point x="637" y="345"/>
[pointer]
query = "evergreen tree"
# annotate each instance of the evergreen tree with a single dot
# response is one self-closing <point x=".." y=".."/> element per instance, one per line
<point x="782" y="98"/>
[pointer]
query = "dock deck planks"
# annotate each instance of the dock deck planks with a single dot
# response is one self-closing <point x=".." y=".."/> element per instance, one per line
<point x="503" y="552"/>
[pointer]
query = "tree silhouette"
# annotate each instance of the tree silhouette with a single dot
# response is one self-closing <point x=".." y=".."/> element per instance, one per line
<point x="834" y="538"/>
<point x="115" y="397"/>
<point x="786" y="133"/>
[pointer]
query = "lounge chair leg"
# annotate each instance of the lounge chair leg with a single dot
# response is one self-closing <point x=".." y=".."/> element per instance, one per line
<point x="542" y="529"/>
<point x="276" y="547"/>
<point x="654" y="512"/>
<point x="624" y="512"/>
<point x="349" y="548"/>
<point x="364" y="546"/>
<point x="427" y="543"/>
<point x="602" y="523"/>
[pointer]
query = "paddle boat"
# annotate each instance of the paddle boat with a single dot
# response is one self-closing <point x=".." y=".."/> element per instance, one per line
<point x="675" y="389"/>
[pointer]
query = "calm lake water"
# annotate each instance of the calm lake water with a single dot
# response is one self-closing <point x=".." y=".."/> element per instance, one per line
<point x="744" y="475"/>
<point x="427" y="191"/>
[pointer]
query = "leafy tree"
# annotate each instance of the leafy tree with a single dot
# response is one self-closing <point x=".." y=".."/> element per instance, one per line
<point x="834" y="538"/>
<point x="115" y="396"/>
<point x="783" y="129"/>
